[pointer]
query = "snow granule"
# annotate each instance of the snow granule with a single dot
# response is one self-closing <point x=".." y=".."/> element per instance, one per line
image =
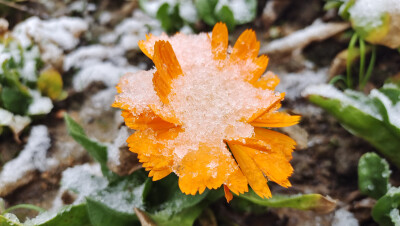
<point x="83" y="180"/>
<point x="40" y="105"/>
<point x="369" y="13"/>
<point x="107" y="73"/>
<point x="32" y="157"/>
<point x="294" y="83"/>
<point x="395" y="217"/>
<point x="5" y="117"/>
<point x="119" y="141"/>
<point x="241" y="9"/>
<point x="344" y="218"/>
<point x="393" y="111"/>
<point x="89" y="55"/>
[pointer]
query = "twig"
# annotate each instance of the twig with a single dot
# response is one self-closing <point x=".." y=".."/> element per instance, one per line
<point x="318" y="31"/>
<point x="24" y="9"/>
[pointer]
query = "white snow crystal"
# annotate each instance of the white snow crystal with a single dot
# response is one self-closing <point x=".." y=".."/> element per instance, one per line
<point x="393" y="111"/>
<point x="369" y="13"/>
<point x="6" y="117"/>
<point x="113" y="149"/>
<point x="106" y="72"/>
<point x="344" y="218"/>
<point x="32" y="157"/>
<point x="41" y="105"/>
<point x="83" y="180"/>
<point x="294" y="83"/>
<point x="53" y="36"/>
<point x="395" y="216"/>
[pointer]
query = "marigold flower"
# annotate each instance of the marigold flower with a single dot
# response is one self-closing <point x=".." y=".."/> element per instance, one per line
<point x="201" y="113"/>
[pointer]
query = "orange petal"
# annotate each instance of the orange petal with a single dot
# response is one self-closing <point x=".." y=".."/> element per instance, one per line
<point x="268" y="141"/>
<point x="276" y="119"/>
<point x="262" y="63"/>
<point x="168" y="68"/>
<point x="146" y="47"/>
<point x="274" y="100"/>
<point x="151" y="151"/>
<point x="145" y="120"/>
<point x="228" y="194"/>
<point x="274" y="165"/>
<point x="249" y="168"/>
<point x="268" y="81"/>
<point x="206" y="167"/>
<point x="246" y="47"/>
<point x="237" y="182"/>
<point x="165" y="114"/>
<point x="219" y="42"/>
<point x="278" y="142"/>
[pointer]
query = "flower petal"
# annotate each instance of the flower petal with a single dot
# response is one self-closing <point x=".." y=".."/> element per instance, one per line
<point x="145" y="120"/>
<point x="274" y="100"/>
<point x="274" y="165"/>
<point x="147" y="46"/>
<point x="237" y="182"/>
<point x="268" y="81"/>
<point x="276" y="119"/>
<point x="262" y="63"/>
<point x="205" y="167"/>
<point x="249" y="168"/>
<point x="246" y="47"/>
<point x="151" y="151"/>
<point x="168" y="68"/>
<point x="268" y="141"/>
<point x="228" y="194"/>
<point x="219" y="41"/>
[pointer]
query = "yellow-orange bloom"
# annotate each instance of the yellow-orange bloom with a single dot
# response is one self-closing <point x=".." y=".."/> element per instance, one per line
<point x="202" y="111"/>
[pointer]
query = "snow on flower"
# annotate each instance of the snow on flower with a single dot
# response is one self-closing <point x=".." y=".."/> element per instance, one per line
<point x="202" y="111"/>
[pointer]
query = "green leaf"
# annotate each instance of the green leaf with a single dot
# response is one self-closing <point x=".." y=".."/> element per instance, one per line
<point x="184" y="218"/>
<point x="15" y="101"/>
<point x="205" y="8"/>
<point x="332" y="5"/>
<point x="225" y="15"/>
<point x="383" y="207"/>
<point x="97" y="150"/>
<point x="373" y="175"/>
<point x="315" y="202"/>
<point x="344" y="9"/>
<point x="115" y="204"/>
<point x="369" y="117"/>
<point x="170" y="206"/>
<point x="68" y="215"/>
<point x="169" y="17"/>
<point x="12" y="220"/>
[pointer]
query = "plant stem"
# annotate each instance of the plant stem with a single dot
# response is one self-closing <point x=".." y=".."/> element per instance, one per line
<point x="362" y="62"/>
<point x="24" y="206"/>
<point x="348" y="60"/>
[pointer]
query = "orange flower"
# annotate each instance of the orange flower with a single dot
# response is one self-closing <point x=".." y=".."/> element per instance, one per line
<point x="201" y="113"/>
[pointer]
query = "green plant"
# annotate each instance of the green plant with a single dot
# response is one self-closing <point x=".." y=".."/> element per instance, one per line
<point x="373" y="118"/>
<point x="373" y="180"/>
<point x="116" y="200"/>
<point x="174" y="15"/>
<point x="25" y="89"/>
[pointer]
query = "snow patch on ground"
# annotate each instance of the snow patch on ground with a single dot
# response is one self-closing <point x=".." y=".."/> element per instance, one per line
<point x="369" y="13"/>
<point x="32" y="157"/>
<point x="53" y="36"/>
<point x="114" y="148"/>
<point x="344" y="218"/>
<point x="294" y="83"/>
